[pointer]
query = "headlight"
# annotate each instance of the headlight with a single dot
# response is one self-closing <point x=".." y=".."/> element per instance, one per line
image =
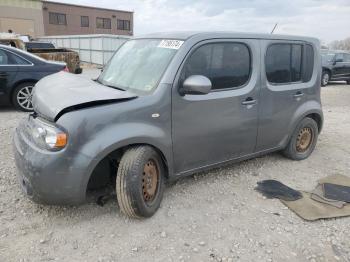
<point x="47" y="136"/>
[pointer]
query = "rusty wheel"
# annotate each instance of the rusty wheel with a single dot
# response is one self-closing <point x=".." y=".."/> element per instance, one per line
<point x="150" y="179"/>
<point x="140" y="181"/>
<point x="304" y="139"/>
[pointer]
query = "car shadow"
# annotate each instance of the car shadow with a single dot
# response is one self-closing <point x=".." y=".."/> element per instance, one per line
<point x="337" y="83"/>
<point x="7" y="108"/>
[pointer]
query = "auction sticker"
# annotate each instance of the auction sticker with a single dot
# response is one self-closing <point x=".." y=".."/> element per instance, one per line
<point x="172" y="44"/>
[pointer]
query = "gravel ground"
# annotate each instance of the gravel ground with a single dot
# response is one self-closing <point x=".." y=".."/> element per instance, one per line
<point x="211" y="216"/>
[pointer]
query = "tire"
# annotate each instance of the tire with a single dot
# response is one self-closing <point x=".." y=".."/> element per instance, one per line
<point x="325" y="78"/>
<point x="22" y="96"/>
<point x="299" y="146"/>
<point x="348" y="82"/>
<point x="134" y="194"/>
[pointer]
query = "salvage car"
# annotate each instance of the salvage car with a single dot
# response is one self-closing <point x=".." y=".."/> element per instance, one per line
<point x="19" y="72"/>
<point x="335" y="66"/>
<point x="167" y="106"/>
<point x="38" y="45"/>
<point x="45" y="50"/>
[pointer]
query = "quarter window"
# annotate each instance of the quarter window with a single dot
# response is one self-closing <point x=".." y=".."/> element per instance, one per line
<point x="84" y="21"/>
<point x="57" y="19"/>
<point x="104" y="23"/>
<point x="227" y="65"/>
<point x="284" y="63"/>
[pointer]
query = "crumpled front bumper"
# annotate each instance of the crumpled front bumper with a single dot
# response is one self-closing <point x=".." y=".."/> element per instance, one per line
<point x="57" y="178"/>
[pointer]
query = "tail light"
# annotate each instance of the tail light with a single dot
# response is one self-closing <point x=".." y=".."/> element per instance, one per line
<point x="65" y="69"/>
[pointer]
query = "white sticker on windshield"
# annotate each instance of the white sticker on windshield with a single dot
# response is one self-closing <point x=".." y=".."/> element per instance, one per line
<point x="172" y="44"/>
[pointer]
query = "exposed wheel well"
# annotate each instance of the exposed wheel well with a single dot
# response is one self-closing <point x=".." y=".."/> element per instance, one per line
<point x="106" y="170"/>
<point x="318" y="120"/>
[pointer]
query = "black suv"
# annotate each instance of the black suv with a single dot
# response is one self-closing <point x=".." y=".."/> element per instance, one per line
<point x="335" y="66"/>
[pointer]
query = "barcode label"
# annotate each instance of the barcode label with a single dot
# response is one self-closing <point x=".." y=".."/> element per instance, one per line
<point x="172" y="44"/>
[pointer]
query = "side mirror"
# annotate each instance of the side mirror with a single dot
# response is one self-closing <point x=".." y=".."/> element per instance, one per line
<point x="196" y="85"/>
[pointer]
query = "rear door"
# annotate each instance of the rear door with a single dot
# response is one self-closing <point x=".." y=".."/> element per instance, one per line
<point x="287" y="78"/>
<point x="222" y="125"/>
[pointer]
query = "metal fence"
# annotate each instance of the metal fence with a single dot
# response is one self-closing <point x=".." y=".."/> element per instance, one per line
<point x="94" y="49"/>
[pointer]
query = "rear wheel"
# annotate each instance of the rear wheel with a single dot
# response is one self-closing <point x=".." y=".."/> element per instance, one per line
<point x="348" y="82"/>
<point x="140" y="182"/>
<point x="325" y="78"/>
<point x="22" y="96"/>
<point x="303" y="141"/>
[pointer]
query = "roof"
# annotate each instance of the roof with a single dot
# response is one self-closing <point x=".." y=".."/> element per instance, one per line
<point x="85" y="6"/>
<point x="183" y="35"/>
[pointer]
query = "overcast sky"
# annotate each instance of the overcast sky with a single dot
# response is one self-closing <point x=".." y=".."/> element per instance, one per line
<point x="326" y="19"/>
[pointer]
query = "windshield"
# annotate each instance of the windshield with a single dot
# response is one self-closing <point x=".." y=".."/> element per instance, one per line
<point x="139" y="64"/>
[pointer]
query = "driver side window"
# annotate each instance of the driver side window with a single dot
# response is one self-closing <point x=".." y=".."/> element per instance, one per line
<point x="339" y="57"/>
<point x="227" y="65"/>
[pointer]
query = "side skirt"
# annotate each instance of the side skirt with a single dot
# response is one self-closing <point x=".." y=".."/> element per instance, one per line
<point x="223" y="163"/>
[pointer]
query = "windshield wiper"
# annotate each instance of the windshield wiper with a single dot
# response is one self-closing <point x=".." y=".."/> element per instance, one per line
<point x="115" y="87"/>
<point x="111" y="86"/>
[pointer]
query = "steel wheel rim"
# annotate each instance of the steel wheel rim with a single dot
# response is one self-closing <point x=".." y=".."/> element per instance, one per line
<point x="150" y="181"/>
<point x="24" y="97"/>
<point x="304" y="139"/>
<point x="325" y="79"/>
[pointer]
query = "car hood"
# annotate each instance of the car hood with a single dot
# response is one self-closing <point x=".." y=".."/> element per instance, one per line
<point x="63" y="92"/>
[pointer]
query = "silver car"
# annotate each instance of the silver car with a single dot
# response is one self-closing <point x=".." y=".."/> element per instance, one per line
<point x="167" y="106"/>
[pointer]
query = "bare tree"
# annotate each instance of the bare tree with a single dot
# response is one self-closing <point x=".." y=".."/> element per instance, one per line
<point x="341" y="44"/>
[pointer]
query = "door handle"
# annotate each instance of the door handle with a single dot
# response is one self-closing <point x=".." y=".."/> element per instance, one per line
<point x="249" y="101"/>
<point x="298" y="94"/>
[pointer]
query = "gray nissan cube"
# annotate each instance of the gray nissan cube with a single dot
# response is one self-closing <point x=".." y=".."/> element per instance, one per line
<point x="166" y="106"/>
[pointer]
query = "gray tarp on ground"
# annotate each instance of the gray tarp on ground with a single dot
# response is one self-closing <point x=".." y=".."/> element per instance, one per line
<point x="310" y="209"/>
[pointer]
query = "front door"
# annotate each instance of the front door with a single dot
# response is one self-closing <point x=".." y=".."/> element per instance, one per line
<point x="339" y="68"/>
<point x="222" y="125"/>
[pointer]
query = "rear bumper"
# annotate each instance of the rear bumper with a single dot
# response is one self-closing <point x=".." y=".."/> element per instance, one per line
<point x="55" y="178"/>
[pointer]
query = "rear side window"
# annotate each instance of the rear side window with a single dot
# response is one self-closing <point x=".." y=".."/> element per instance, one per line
<point x="3" y="58"/>
<point x="227" y="65"/>
<point x="7" y="58"/>
<point x="285" y="63"/>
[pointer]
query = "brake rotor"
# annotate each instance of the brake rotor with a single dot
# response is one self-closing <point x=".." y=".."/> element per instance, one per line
<point x="304" y="139"/>
<point x="150" y="178"/>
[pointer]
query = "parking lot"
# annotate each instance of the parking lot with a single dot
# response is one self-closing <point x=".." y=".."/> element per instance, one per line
<point x="215" y="215"/>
